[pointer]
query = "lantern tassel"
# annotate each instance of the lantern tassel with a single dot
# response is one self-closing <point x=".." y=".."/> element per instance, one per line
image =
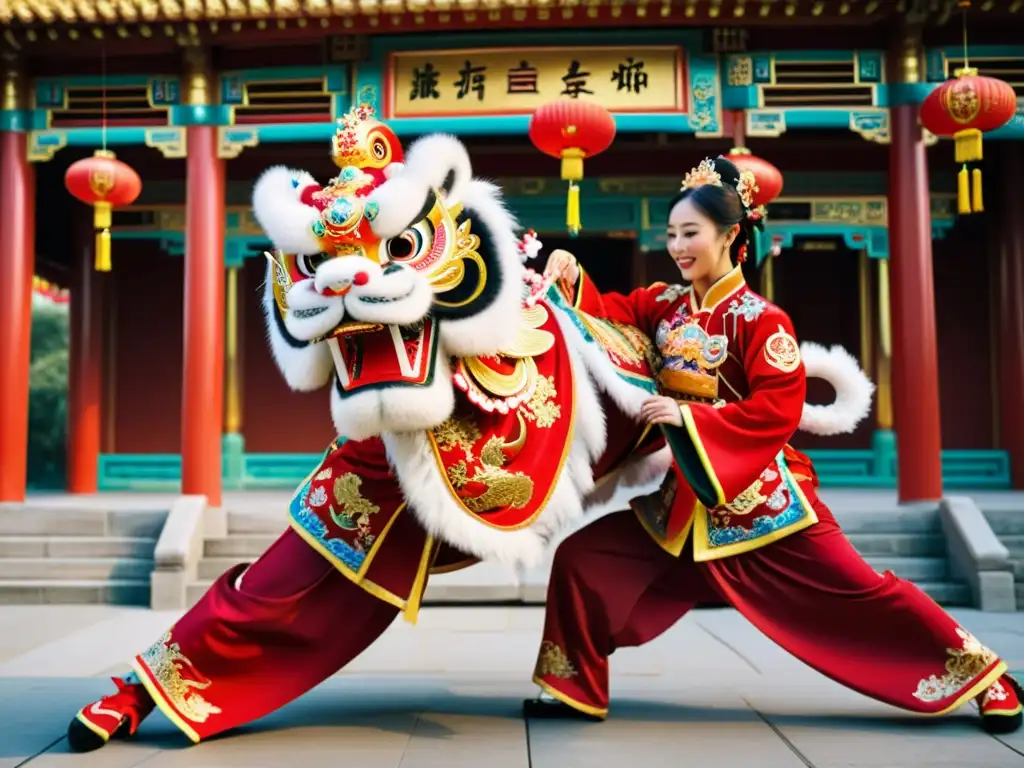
<point x="967" y="145"/>
<point x="572" y="210"/>
<point x="963" y="189"/>
<point x="102" y="261"/>
<point x="977" y="204"/>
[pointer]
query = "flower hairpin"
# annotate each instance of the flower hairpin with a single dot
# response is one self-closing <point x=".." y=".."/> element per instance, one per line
<point x="703" y="175"/>
<point x="747" y="188"/>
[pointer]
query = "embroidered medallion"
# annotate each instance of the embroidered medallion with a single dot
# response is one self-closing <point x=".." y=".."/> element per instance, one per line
<point x="963" y="666"/>
<point x="782" y="352"/>
<point x="690" y="357"/>
<point x="167" y="664"/>
<point x="553" y="662"/>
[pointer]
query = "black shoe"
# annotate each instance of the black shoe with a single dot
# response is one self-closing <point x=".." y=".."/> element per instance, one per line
<point x="83" y="739"/>
<point x="538" y="709"/>
<point x="1000" y="723"/>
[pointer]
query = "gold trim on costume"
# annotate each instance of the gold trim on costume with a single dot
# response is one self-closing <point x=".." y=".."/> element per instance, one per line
<point x="553" y="661"/>
<point x="698" y="444"/>
<point x="702" y="551"/>
<point x="569" y="700"/>
<point x="963" y="665"/>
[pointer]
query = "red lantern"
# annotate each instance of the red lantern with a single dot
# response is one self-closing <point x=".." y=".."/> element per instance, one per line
<point x="768" y="177"/>
<point x="964" y="108"/>
<point x="103" y="182"/>
<point x="572" y="130"/>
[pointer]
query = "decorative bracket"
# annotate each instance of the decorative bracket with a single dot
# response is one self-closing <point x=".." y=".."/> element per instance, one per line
<point x="43" y="145"/>
<point x="172" y="143"/>
<point x="232" y="139"/>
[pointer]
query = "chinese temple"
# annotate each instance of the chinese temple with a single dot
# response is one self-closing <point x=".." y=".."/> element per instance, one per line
<point x="872" y="245"/>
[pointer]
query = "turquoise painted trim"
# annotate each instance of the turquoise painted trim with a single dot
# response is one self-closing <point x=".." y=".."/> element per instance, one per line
<point x="900" y="94"/>
<point x="93" y="137"/>
<point x="739" y="96"/>
<point x="703" y="72"/>
<point x="199" y="115"/>
<point x="301" y="132"/>
<point x="875" y="240"/>
<point x="13" y="121"/>
<point x="162" y="471"/>
<point x="961" y="470"/>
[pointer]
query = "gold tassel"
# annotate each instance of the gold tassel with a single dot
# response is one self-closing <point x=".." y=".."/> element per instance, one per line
<point x="977" y="204"/>
<point x="103" y="250"/>
<point x="572" y="210"/>
<point x="967" y="145"/>
<point x="963" y="188"/>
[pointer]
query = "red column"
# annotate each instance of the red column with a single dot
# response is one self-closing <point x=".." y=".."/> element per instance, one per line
<point x="17" y="259"/>
<point x="85" y="372"/>
<point x="203" y="385"/>
<point x="1011" y="312"/>
<point x="915" y="367"/>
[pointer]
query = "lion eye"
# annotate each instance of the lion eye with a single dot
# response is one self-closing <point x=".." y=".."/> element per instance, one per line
<point x="309" y="264"/>
<point x="406" y="246"/>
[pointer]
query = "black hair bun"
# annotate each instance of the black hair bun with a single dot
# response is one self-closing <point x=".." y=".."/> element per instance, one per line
<point x="727" y="170"/>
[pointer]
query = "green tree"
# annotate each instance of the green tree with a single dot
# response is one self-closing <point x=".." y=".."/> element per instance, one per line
<point x="48" y="396"/>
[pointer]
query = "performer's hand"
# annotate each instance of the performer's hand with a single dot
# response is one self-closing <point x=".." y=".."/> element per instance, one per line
<point x="661" y="410"/>
<point x="562" y="266"/>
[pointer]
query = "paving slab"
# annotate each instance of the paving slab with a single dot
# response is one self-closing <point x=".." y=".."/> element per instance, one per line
<point x="447" y="692"/>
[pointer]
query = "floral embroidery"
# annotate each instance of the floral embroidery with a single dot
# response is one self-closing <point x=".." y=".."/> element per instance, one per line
<point x="671" y="293"/>
<point x="541" y="406"/>
<point x="995" y="692"/>
<point x="779" y="499"/>
<point x="554" y="663"/>
<point x="963" y="666"/>
<point x="749" y="307"/>
<point x="721" y="534"/>
<point x="324" y="474"/>
<point x="166" y="663"/>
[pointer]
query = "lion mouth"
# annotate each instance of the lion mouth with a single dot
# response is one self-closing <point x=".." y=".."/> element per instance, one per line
<point x="370" y="355"/>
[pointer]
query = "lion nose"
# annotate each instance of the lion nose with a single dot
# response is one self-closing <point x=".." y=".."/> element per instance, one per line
<point x="361" y="278"/>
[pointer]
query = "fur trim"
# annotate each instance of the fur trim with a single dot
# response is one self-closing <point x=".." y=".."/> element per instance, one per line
<point x="430" y="497"/>
<point x="374" y="411"/>
<point x="627" y="397"/>
<point x="634" y="474"/>
<point x="430" y="164"/>
<point x="496" y="326"/>
<point x="281" y="214"/>
<point x="305" y="367"/>
<point x="853" y="390"/>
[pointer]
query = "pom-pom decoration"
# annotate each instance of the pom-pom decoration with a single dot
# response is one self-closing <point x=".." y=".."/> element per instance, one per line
<point x="572" y="130"/>
<point x="103" y="182"/>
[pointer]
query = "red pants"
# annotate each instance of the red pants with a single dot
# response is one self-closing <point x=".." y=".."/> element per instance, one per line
<point x="612" y="586"/>
<point x="240" y="654"/>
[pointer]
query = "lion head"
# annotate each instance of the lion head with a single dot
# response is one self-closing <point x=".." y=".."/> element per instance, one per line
<point x="381" y="277"/>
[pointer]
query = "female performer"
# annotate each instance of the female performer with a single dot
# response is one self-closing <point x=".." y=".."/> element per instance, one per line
<point x="737" y="520"/>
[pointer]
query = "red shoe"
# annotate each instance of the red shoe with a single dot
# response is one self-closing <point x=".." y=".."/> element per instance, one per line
<point x="1000" y="706"/>
<point x="117" y="715"/>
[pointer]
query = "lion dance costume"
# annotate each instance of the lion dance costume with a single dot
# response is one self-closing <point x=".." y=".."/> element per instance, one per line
<point x="482" y="414"/>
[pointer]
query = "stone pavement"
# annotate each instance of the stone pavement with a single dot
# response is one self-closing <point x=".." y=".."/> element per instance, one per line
<point x="710" y="692"/>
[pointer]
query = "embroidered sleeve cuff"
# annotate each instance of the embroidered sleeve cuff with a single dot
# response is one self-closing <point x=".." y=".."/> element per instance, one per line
<point x="688" y="450"/>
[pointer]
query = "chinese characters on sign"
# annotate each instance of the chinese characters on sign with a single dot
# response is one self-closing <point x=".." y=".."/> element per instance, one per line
<point x="512" y="82"/>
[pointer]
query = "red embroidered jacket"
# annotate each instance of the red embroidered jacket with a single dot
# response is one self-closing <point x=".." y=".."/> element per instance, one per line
<point x="735" y="366"/>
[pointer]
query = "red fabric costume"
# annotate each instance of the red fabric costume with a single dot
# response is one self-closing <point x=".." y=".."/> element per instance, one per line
<point x="470" y="392"/>
<point x="738" y="522"/>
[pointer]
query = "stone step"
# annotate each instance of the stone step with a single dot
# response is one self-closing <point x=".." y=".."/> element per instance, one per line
<point x="1006" y="523"/>
<point x="50" y="592"/>
<point x="888" y="521"/>
<point x="899" y="544"/>
<point x="210" y="568"/>
<point x="75" y="568"/>
<point x="240" y="546"/>
<point x="916" y="569"/>
<point x="76" y="546"/>
<point x="265" y="524"/>
<point x="26" y="520"/>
